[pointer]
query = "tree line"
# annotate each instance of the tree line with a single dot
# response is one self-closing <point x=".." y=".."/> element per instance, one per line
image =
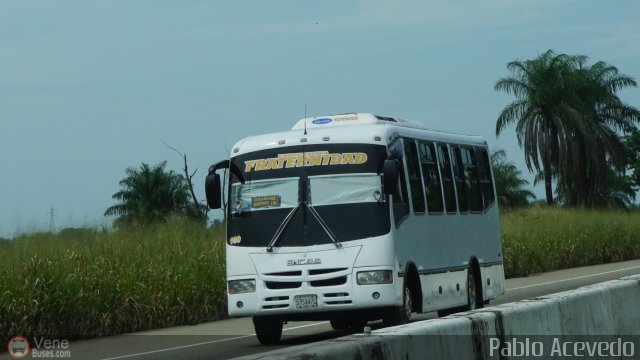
<point x="574" y="130"/>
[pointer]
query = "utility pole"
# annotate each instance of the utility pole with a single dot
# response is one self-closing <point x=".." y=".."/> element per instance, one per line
<point x="52" y="224"/>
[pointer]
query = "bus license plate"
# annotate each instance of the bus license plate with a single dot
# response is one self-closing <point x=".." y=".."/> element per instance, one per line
<point x="305" y="301"/>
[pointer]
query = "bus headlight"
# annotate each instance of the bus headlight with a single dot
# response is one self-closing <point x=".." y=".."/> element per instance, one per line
<point x="374" y="277"/>
<point x="242" y="286"/>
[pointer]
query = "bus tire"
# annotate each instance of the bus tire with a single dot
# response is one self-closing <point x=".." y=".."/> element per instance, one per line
<point x="401" y="315"/>
<point x="474" y="290"/>
<point x="355" y="323"/>
<point x="339" y="323"/>
<point x="358" y="324"/>
<point x="268" y="329"/>
<point x="447" y="312"/>
<point x="474" y="295"/>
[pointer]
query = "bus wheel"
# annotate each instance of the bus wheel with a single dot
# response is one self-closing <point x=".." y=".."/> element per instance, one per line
<point x="355" y="323"/>
<point x="401" y="315"/>
<point x="339" y="323"/>
<point x="358" y="324"/>
<point x="474" y="292"/>
<point x="268" y="329"/>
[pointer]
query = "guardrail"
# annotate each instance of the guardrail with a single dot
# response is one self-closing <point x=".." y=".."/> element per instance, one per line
<point x="601" y="320"/>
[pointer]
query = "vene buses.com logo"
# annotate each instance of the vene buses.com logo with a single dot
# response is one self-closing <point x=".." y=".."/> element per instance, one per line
<point x="18" y="347"/>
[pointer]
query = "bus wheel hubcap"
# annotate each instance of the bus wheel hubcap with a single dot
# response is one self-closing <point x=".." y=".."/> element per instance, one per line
<point x="407" y="302"/>
<point x="472" y="292"/>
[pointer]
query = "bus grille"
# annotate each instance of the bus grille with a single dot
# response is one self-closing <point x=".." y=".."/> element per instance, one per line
<point x="325" y="271"/>
<point x="294" y="279"/>
<point x="278" y="285"/>
<point x="280" y="306"/>
<point x="337" y="299"/>
<point x="329" y="282"/>
<point x="286" y="273"/>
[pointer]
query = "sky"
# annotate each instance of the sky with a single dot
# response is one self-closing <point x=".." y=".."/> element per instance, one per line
<point x="89" y="88"/>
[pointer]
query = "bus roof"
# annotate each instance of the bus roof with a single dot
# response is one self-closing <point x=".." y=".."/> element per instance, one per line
<point x="361" y="128"/>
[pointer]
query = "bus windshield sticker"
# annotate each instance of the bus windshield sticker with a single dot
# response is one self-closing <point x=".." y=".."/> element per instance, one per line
<point x="316" y="158"/>
<point x="258" y="202"/>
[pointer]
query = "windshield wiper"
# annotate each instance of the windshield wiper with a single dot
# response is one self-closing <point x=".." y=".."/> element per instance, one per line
<point x="281" y="228"/>
<point x="324" y="225"/>
<point x="288" y="218"/>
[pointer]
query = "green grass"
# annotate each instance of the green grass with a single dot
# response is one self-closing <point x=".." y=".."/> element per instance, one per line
<point x="542" y="239"/>
<point x="83" y="283"/>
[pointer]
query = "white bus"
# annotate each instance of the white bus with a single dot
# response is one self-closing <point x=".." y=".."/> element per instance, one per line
<point x="357" y="217"/>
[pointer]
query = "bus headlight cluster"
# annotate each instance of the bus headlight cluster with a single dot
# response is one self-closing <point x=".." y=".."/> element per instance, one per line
<point x="242" y="286"/>
<point x="374" y="277"/>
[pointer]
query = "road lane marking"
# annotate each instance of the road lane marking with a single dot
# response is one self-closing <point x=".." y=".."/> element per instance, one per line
<point x="575" y="278"/>
<point x="304" y="326"/>
<point x="176" y="347"/>
<point x="204" y="343"/>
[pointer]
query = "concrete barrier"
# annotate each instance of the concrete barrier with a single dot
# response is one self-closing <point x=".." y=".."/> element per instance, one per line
<point x="603" y="313"/>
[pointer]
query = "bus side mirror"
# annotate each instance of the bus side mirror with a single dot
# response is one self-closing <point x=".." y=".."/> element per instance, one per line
<point x="213" y="190"/>
<point x="390" y="172"/>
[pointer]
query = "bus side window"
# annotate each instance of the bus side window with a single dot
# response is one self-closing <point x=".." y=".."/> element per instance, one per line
<point x="415" y="178"/>
<point x="400" y="195"/>
<point x="431" y="178"/>
<point x="484" y="176"/>
<point x="471" y="175"/>
<point x="461" y="183"/>
<point x="447" y="179"/>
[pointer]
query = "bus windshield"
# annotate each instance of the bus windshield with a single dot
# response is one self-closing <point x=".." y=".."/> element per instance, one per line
<point x="309" y="189"/>
<point x="323" y="190"/>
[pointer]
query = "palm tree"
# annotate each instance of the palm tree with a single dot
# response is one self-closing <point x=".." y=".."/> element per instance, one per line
<point x="509" y="184"/>
<point x="568" y="118"/>
<point x="542" y="100"/>
<point x="597" y="152"/>
<point x="618" y="193"/>
<point x="149" y="194"/>
<point x="632" y="142"/>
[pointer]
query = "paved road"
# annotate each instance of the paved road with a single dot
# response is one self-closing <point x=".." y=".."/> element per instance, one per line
<point x="235" y="337"/>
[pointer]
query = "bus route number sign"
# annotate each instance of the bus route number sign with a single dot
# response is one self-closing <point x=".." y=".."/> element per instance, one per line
<point x="305" y="301"/>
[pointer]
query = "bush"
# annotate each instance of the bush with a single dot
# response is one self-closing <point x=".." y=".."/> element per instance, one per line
<point x="544" y="239"/>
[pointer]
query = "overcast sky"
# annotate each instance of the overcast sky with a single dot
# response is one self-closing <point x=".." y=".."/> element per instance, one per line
<point x="89" y="88"/>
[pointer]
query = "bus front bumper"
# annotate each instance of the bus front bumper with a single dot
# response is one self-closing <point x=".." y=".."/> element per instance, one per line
<point x="309" y="297"/>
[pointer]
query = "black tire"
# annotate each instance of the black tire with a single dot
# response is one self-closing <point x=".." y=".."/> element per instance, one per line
<point x="348" y="323"/>
<point x="358" y="324"/>
<point x="447" y="312"/>
<point x="339" y="323"/>
<point x="402" y="314"/>
<point x="474" y="296"/>
<point x="268" y="329"/>
<point x="474" y="291"/>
